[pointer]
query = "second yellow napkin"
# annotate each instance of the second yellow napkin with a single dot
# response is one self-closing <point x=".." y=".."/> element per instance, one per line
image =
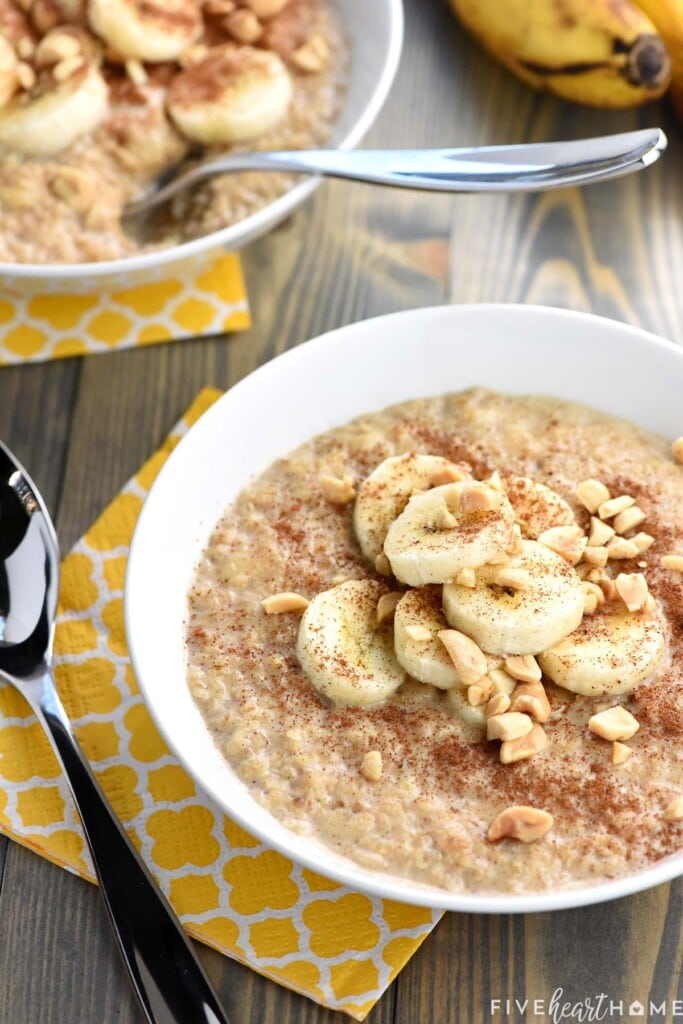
<point x="339" y="947"/>
<point x="208" y="298"/>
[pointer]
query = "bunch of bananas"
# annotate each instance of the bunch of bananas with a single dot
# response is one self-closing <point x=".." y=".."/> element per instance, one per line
<point x="605" y="53"/>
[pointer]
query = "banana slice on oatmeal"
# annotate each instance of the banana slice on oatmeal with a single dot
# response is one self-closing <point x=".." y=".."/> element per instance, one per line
<point x="150" y="31"/>
<point x="55" y="111"/>
<point x="236" y="93"/>
<point x="346" y="654"/>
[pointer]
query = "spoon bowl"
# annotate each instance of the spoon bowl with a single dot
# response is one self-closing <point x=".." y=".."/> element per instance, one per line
<point x="167" y="977"/>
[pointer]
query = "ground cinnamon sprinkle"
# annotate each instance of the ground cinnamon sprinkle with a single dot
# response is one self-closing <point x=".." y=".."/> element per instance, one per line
<point x="427" y="815"/>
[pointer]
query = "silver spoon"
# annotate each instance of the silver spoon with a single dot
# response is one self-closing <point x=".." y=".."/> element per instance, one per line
<point x="522" y="168"/>
<point x="167" y="976"/>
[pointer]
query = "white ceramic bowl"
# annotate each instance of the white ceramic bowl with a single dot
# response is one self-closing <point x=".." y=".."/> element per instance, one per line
<point x="322" y="384"/>
<point x="375" y="33"/>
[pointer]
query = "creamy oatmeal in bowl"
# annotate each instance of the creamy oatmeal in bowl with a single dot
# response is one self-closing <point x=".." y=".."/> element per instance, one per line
<point x="440" y="640"/>
<point x="98" y="97"/>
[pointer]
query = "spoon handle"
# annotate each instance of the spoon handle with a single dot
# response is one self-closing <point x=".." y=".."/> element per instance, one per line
<point x="168" y="978"/>
<point x="526" y="168"/>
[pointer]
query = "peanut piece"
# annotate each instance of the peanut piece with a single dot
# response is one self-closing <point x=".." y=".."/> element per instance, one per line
<point x="523" y="667"/>
<point x="595" y="555"/>
<point x="629" y="519"/>
<point x="532" y="699"/>
<point x="498" y="704"/>
<point x="614" y="723"/>
<point x="600" y="533"/>
<point x="448" y="475"/>
<point x="567" y="541"/>
<point x="613" y="506"/>
<point x="313" y="55"/>
<point x="620" y="752"/>
<point x="677" y="449"/>
<point x="382" y="564"/>
<point x="386" y="606"/>
<point x="511" y="725"/>
<point x="515" y="579"/>
<point x="524" y="823"/>
<point x="468" y="658"/>
<point x="371" y="765"/>
<point x="526" y="746"/>
<point x="466" y="578"/>
<point x="265" y="8"/>
<point x="136" y="72"/>
<point x="419" y="633"/>
<point x="642" y="541"/>
<point x="501" y="682"/>
<point x="287" y="601"/>
<point x="632" y="589"/>
<point x="243" y="26"/>
<point x="479" y="498"/>
<point x="337" y="490"/>
<point x="619" y="547"/>
<point x="478" y="693"/>
<point x="592" y="494"/>
<point x="444" y="519"/>
<point x="674" y="811"/>
<point x="673" y="562"/>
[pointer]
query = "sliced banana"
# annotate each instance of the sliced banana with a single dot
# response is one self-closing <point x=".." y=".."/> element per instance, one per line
<point x="507" y="621"/>
<point x="610" y="653"/>
<point x="537" y="507"/>
<point x="385" y="493"/>
<point x="444" y="530"/>
<point x="55" y="113"/>
<point x="234" y="94"/>
<point x="346" y="655"/>
<point x="144" y="29"/>
<point x="425" y="659"/>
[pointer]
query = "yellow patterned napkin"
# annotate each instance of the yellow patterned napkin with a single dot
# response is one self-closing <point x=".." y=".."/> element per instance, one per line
<point x="200" y="298"/>
<point x="339" y="947"/>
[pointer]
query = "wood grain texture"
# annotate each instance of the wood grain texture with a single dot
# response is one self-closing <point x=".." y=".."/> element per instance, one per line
<point x="84" y="426"/>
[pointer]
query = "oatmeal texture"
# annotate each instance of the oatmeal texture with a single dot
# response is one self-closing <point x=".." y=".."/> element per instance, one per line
<point x="409" y="787"/>
<point x="66" y="207"/>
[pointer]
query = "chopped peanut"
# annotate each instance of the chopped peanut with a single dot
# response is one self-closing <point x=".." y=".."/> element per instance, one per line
<point x="524" y="823"/>
<point x="495" y="481"/>
<point x="595" y="555"/>
<point x="243" y="25"/>
<point x="478" y="693"/>
<point x="532" y="699"/>
<point x="600" y="532"/>
<point x="448" y="475"/>
<point x="619" y="547"/>
<point x="466" y="578"/>
<point x="371" y="765"/>
<point x="592" y="494"/>
<point x="526" y="746"/>
<point x="614" y="723"/>
<point x="620" y="752"/>
<point x="312" y="55"/>
<point x="386" y="606"/>
<point x="511" y="725"/>
<point x="337" y="490"/>
<point x="629" y="519"/>
<point x="632" y="589"/>
<point x="677" y="449"/>
<point x="382" y="564"/>
<point x="468" y="658"/>
<point x="515" y="579"/>
<point x="501" y="681"/>
<point x="673" y="562"/>
<point x="444" y="519"/>
<point x="478" y="497"/>
<point x="498" y="704"/>
<point x="613" y="506"/>
<point x="674" y="811"/>
<point x="642" y="541"/>
<point x="590" y="603"/>
<point x="285" y="602"/>
<point x="523" y="667"/>
<point x="567" y="541"/>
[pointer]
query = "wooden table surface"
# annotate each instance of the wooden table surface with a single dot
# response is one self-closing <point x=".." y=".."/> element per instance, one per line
<point x="83" y="426"/>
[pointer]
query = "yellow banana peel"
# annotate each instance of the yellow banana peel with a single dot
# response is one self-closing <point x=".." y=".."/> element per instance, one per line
<point x="604" y="53"/>
<point x="667" y="17"/>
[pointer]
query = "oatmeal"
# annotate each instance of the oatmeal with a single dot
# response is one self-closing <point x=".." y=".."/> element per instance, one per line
<point x="445" y="639"/>
<point x="97" y="97"/>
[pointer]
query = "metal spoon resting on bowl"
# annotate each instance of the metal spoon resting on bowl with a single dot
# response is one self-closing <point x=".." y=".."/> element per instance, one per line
<point x="520" y="168"/>
<point x="168" y="978"/>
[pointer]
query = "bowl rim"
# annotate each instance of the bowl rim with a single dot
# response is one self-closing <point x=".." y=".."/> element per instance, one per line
<point x="382" y="884"/>
<point x="231" y="237"/>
